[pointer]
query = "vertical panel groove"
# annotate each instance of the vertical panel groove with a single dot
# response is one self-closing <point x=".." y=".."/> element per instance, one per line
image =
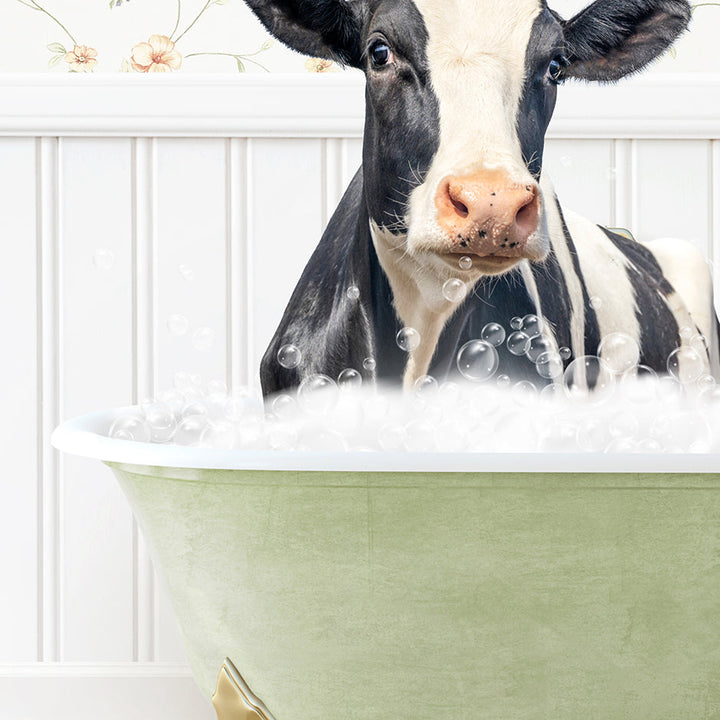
<point x="624" y="184"/>
<point x="49" y="398"/>
<point x="714" y="244"/>
<point x="238" y="298"/>
<point x="143" y="272"/>
<point x="247" y="210"/>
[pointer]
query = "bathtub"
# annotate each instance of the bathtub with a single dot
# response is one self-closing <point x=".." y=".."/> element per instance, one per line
<point x="356" y="586"/>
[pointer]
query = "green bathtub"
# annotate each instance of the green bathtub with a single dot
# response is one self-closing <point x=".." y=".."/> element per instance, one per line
<point x="361" y="586"/>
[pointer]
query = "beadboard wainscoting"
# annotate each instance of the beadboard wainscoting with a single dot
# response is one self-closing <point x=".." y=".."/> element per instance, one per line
<point x="153" y="225"/>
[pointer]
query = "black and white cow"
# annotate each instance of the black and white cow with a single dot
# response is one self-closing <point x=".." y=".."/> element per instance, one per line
<point x="459" y="95"/>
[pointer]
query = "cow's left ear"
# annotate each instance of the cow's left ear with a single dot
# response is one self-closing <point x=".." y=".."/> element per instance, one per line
<point x="328" y="29"/>
<point x="613" y="38"/>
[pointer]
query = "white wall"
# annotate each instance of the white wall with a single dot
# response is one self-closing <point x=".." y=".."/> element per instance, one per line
<point x="123" y="203"/>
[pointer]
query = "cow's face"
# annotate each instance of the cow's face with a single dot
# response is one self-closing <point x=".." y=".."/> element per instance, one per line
<point x="459" y="95"/>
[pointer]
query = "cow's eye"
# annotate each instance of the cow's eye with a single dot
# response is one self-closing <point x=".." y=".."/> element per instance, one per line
<point x="380" y="54"/>
<point x="556" y="69"/>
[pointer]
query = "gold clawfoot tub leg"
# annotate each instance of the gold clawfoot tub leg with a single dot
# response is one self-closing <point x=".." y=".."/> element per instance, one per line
<point x="233" y="699"/>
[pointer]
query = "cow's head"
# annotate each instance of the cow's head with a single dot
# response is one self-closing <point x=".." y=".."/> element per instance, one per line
<point x="459" y="96"/>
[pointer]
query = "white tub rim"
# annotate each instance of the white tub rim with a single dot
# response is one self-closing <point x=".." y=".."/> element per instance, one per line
<point x="85" y="436"/>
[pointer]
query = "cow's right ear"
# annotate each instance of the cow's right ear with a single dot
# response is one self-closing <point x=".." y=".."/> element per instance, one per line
<point x="327" y="29"/>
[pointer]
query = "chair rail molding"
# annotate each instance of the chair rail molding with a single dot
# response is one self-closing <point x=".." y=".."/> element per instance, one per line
<point x="662" y="106"/>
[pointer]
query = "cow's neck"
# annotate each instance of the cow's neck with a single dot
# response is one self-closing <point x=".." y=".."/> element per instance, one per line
<point x="417" y="298"/>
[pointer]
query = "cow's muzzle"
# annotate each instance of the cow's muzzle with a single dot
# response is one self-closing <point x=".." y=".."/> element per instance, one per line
<point x="488" y="214"/>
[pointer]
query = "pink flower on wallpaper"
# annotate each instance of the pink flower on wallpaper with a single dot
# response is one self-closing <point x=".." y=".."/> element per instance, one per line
<point x="158" y="54"/>
<point x="81" y="58"/>
<point x="319" y="65"/>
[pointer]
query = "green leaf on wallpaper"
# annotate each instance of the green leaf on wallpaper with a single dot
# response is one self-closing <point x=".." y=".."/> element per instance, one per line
<point x="241" y="66"/>
<point x="54" y="60"/>
<point x="56" y="48"/>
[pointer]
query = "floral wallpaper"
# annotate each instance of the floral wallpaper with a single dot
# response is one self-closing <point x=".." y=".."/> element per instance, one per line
<point x="218" y="36"/>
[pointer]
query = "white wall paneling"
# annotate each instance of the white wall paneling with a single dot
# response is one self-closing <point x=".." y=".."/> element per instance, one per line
<point x="124" y="204"/>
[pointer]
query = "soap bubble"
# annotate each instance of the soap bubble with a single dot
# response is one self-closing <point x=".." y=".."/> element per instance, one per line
<point x="353" y="292"/>
<point x="503" y="381"/>
<point x="219" y="435"/>
<point x="538" y="346"/>
<point x="420" y="436"/>
<point x="454" y="290"/>
<point x="477" y="360"/>
<point x="532" y="325"/>
<point x="182" y="380"/>
<point x="559" y="436"/>
<point x="588" y="378"/>
<point x="130" y="427"/>
<point x="623" y="424"/>
<point x="516" y="323"/>
<point x="203" y="339"/>
<point x="425" y="386"/>
<point x="637" y="384"/>
<point x="593" y="434"/>
<point x="465" y="262"/>
<point x="686" y="332"/>
<point x="186" y="272"/>
<point x="177" y="324"/>
<point x="391" y="437"/>
<point x="243" y="403"/>
<point x="198" y="407"/>
<point x="317" y="393"/>
<point x="103" y="258"/>
<point x="518" y="343"/>
<point x="700" y="345"/>
<point x="289" y="356"/>
<point x="369" y="364"/>
<point x="549" y="365"/>
<point x="620" y="352"/>
<point x="524" y="393"/>
<point x="216" y="387"/>
<point x="161" y="421"/>
<point x="284" y="406"/>
<point x="282" y="437"/>
<point x="596" y="302"/>
<point x="349" y="378"/>
<point x="565" y="353"/>
<point x="190" y="429"/>
<point x="685" y="364"/>
<point x="408" y="339"/>
<point x="494" y="333"/>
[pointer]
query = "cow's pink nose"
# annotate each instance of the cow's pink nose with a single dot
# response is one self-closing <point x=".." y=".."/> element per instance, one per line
<point x="487" y="213"/>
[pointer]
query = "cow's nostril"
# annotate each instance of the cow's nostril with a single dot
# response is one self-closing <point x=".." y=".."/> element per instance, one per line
<point x="460" y="208"/>
<point x="526" y="218"/>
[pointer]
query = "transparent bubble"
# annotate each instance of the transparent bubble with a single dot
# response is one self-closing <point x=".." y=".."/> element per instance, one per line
<point x="465" y="262"/>
<point x="289" y="356"/>
<point x="705" y="383"/>
<point x="282" y="437"/>
<point x="516" y="323"/>
<point x="408" y="339"/>
<point x="538" y="346"/>
<point x="369" y="363"/>
<point x="700" y="345"/>
<point x="174" y="400"/>
<point x="503" y="381"/>
<point x="186" y="272"/>
<point x="198" y="407"/>
<point x="161" y="421"/>
<point x="317" y="394"/>
<point x="524" y="393"/>
<point x="325" y="441"/>
<point x="420" y="436"/>
<point x="638" y="384"/>
<point x="349" y="378"/>
<point x="203" y="339"/>
<point x="566" y="161"/>
<point x="477" y="360"/>
<point x="686" y="332"/>
<point x="623" y="424"/>
<point x="216" y="387"/>
<point x="494" y="333"/>
<point x="449" y="393"/>
<point x="669" y="390"/>
<point x="243" y="403"/>
<point x="177" y="324"/>
<point x="588" y="378"/>
<point x="454" y="290"/>
<point x="284" y="406"/>
<point x="190" y="429"/>
<point x="596" y="302"/>
<point x="549" y="365"/>
<point x="391" y="437"/>
<point x="621" y="445"/>
<point x="130" y="427"/>
<point x="532" y="325"/>
<point x="620" y="351"/>
<point x="559" y="436"/>
<point x="685" y="364"/>
<point x="353" y="292"/>
<point x="182" y="380"/>
<point x="218" y="435"/>
<point x="425" y="386"/>
<point x="103" y="258"/>
<point x="565" y="353"/>
<point x="518" y="343"/>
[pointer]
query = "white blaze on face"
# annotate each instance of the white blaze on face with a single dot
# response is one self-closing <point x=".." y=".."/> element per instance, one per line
<point x="476" y="53"/>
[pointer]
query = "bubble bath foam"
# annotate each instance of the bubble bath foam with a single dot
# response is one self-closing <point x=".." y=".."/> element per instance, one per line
<point x="411" y="594"/>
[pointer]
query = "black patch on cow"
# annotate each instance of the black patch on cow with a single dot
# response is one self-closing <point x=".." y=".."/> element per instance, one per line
<point x="537" y="101"/>
<point x="402" y="119"/>
<point x="660" y="334"/>
<point x="592" y="330"/>
<point x="613" y="38"/>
